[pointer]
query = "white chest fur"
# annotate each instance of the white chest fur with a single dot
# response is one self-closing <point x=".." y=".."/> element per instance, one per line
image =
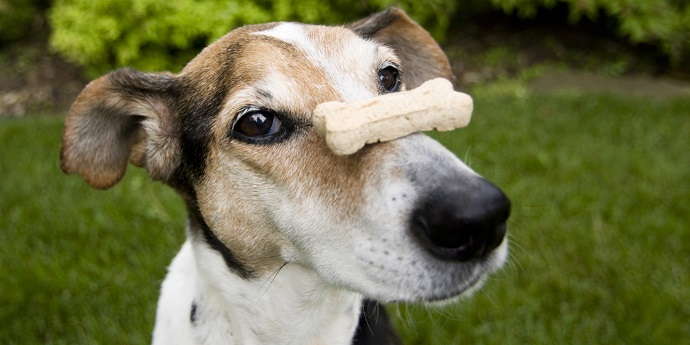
<point x="293" y="306"/>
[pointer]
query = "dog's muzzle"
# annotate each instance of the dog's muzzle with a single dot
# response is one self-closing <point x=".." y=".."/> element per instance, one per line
<point x="461" y="221"/>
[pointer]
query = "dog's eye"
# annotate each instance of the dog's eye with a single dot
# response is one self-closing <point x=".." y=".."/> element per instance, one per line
<point x="389" y="79"/>
<point x="257" y="123"/>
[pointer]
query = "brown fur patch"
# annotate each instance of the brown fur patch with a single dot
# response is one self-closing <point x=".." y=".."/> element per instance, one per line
<point x="103" y="129"/>
<point x="422" y="57"/>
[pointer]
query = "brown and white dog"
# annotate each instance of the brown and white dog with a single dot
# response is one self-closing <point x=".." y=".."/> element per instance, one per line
<point x="284" y="238"/>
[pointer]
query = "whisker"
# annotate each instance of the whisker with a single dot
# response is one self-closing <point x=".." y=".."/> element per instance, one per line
<point x="270" y="279"/>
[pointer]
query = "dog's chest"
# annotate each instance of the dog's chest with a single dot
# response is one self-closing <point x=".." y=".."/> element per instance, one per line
<point x="291" y="307"/>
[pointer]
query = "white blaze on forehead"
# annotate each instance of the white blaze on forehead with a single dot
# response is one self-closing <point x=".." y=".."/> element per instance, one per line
<point x="348" y="61"/>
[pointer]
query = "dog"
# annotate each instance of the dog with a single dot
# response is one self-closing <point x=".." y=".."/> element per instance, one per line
<point x="288" y="243"/>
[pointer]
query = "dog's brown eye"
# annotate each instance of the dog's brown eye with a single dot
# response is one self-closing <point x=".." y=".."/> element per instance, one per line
<point x="258" y="124"/>
<point x="389" y="79"/>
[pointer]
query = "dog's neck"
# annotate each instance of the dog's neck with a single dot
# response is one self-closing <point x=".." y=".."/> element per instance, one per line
<point x="289" y="306"/>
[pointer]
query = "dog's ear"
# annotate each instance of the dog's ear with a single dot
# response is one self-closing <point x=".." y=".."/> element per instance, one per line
<point x="123" y="116"/>
<point x="422" y="58"/>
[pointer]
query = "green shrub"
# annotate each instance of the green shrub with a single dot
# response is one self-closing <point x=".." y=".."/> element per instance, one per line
<point x="664" y="23"/>
<point x="164" y="35"/>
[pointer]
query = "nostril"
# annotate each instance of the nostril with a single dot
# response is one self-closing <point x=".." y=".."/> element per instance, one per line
<point x="462" y="222"/>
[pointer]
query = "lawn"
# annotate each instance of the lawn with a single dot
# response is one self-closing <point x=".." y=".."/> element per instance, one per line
<point x="600" y="231"/>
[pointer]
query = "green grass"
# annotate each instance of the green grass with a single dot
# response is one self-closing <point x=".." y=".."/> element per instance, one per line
<point x="77" y="265"/>
<point x="600" y="232"/>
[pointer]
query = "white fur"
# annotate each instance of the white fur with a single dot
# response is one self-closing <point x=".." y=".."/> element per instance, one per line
<point x="336" y="65"/>
<point x="174" y="304"/>
<point x="293" y="306"/>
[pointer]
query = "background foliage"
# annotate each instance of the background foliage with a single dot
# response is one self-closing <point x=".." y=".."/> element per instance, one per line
<point x="19" y="17"/>
<point x="665" y="23"/>
<point x="164" y="35"/>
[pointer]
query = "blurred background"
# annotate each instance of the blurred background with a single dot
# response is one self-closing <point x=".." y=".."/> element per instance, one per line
<point x="582" y="115"/>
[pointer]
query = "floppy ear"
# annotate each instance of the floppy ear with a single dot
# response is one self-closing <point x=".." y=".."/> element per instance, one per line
<point x="123" y="116"/>
<point x="422" y="58"/>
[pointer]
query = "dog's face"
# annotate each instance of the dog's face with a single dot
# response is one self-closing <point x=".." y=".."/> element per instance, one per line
<point x="401" y="220"/>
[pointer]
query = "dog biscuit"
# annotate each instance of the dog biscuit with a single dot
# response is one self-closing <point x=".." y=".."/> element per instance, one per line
<point x="348" y="126"/>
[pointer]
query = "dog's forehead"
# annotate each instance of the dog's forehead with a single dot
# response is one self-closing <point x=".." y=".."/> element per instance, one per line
<point x="293" y="67"/>
<point x="347" y="61"/>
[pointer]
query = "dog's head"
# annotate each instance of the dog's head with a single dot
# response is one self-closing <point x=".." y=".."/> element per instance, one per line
<point x="401" y="220"/>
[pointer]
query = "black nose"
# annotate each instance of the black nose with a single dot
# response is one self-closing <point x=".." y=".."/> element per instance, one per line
<point x="461" y="221"/>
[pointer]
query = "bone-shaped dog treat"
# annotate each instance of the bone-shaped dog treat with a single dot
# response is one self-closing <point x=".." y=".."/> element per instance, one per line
<point x="348" y="126"/>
